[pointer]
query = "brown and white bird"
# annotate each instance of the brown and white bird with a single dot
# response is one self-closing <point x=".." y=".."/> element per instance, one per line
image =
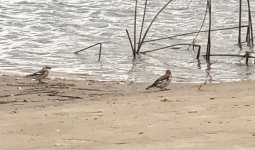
<point x="163" y="81"/>
<point x="41" y="74"/>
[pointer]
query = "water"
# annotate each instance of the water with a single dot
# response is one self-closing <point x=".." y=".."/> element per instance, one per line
<point x="36" y="33"/>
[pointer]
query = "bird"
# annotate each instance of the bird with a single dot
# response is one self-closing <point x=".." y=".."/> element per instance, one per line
<point x="41" y="74"/>
<point x="162" y="82"/>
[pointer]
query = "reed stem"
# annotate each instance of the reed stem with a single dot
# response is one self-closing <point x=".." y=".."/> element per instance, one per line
<point x="189" y="33"/>
<point x="240" y="25"/>
<point x="233" y="55"/>
<point x="136" y="3"/>
<point x="100" y="52"/>
<point x="147" y="30"/>
<point x="148" y="51"/>
<point x="208" y="51"/>
<point x="86" y="48"/>
<point x="144" y="13"/>
<point x="250" y="42"/>
<point x="132" y="47"/>
<point x="200" y="26"/>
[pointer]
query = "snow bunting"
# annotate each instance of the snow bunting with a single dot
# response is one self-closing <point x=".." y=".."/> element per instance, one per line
<point x="163" y="81"/>
<point x="41" y="74"/>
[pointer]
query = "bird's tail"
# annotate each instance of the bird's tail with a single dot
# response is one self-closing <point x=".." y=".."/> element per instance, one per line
<point x="30" y="75"/>
<point x="27" y="76"/>
<point x="149" y="87"/>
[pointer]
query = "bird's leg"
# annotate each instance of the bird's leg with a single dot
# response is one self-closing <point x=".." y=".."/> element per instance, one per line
<point x="164" y="89"/>
<point x="40" y="81"/>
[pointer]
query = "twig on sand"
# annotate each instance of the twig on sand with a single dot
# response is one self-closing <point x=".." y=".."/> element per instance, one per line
<point x="201" y="85"/>
<point x="208" y="77"/>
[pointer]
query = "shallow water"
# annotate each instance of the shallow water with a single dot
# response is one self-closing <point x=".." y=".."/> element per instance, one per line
<point x="36" y="33"/>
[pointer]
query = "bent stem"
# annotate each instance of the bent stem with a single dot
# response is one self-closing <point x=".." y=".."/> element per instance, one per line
<point x="147" y="30"/>
<point x="144" y="13"/>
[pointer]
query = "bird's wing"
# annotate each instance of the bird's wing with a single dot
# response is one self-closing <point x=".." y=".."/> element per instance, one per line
<point x="40" y="72"/>
<point x="160" y="79"/>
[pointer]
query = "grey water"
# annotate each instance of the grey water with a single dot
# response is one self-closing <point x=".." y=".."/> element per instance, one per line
<point x="35" y="33"/>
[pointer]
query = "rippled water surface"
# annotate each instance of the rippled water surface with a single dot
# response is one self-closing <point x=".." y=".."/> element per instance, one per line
<point x="36" y="33"/>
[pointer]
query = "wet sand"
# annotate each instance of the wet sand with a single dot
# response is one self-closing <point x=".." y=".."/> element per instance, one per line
<point x="96" y="115"/>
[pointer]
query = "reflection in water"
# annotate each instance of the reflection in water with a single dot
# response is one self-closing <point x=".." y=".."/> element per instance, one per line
<point x="246" y="72"/>
<point x="198" y="64"/>
<point x="208" y="72"/>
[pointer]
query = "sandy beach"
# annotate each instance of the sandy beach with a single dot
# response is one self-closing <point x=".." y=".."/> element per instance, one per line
<point x="96" y="115"/>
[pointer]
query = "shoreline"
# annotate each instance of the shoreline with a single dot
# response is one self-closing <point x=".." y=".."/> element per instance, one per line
<point x="106" y="115"/>
<point x="147" y="79"/>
